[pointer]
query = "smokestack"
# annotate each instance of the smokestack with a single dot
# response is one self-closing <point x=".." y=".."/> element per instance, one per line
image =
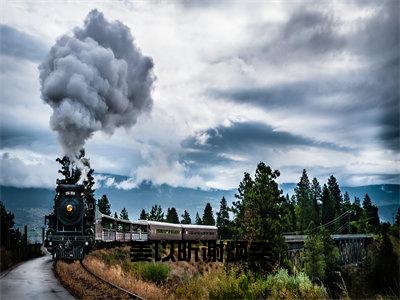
<point x="95" y="80"/>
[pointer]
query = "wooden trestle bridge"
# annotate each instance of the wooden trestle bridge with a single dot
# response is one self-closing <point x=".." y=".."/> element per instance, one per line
<point x="352" y="247"/>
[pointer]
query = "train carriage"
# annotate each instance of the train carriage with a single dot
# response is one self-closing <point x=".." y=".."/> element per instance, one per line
<point x="199" y="232"/>
<point x="77" y="225"/>
<point x="159" y="231"/>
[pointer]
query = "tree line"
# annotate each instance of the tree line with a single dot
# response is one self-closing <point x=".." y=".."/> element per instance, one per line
<point x="260" y="204"/>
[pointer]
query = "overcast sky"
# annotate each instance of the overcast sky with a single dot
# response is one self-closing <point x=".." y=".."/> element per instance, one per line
<point x="294" y="84"/>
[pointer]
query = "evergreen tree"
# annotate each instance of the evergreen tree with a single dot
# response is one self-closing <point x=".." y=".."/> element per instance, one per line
<point x="303" y="195"/>
<point x="198" y="220"/>
<point x="143" y="215"/>
<point x="124" y="214"/>
<point x="347" y="207"/>
<point x="258" y="214"/>
<point x="172" y="216"/>
<point x="358" y="223"/>
<point x="346" y="199"/>
<point x="356" y="207"/>
<point x="88" y="184"/>
<point x="69" y="169"/>
<point x="289" y="214"/>
<point x="336" y="195"/>
<point x="7" y="223"/>
<point x="156" y="214"/>
<point x="223" y="223"/>
<point x="332" y="280"/>
<point x="186" y="218"/>
<point x="371" y="213"/>
<point x="245" y="192"/>
<point x="115" y="215"/>
<point x="328" y="205"/>
<point x="104" y="205"/>
<point x="382" y="265"/>
<point x="65" y="169"/>
<point x="208" y="216"/>
<point x="316" y="195"/>
<point x="314" y="258"/>
<point x="397" y="220"/>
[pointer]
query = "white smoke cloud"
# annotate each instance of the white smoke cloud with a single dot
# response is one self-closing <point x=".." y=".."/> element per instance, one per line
<point x="95" y="80"/>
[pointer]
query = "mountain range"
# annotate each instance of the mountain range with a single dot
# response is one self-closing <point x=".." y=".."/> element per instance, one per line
<point x="29" y="205"/>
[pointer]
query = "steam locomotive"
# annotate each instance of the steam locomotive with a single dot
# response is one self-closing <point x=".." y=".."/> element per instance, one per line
<point x="70" y="228"/>
<point x="76" y="226"/>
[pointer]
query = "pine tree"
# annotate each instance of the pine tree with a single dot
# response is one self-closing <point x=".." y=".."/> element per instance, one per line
<point x="258" y="214"/>
<point x="7" y="223"/>
<point x="238" y="208"/>
<point x="208" y="216"/>
<point x="172" y="216"/>
<point x="104" y="205"/>
<point x="313" y="258"/>
<point x="65" y="169"/>
<point x="346" y="202"/>
<point x="358" y="224"/>
<point x="289" y="223"/>
<point x="156" y="214"/>
<point x="303" y="195"/>
<point x="382" y="265"/>
<point x="371" y="213"/>
<point x="88" y="184"/>
<point x="115" y="215"/>
<point x="336" y="195"/>
<point x="223" y="223"/>
<point x="143" y="215"/>
<point x="124" y="214"/>
<point x="186" y="218"/>
<point x="316" y="195"/>
<point x="328" y="206"/>
<point x="198" y="220"/>
<point x="397" y="220"/>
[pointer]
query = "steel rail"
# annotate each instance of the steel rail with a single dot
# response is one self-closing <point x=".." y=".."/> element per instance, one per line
<point x="132" y="295"/>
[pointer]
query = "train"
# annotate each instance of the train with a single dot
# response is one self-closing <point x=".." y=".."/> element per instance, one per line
<point x="76" y="226"/>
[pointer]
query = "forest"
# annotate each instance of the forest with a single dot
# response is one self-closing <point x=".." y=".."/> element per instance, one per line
<point x="260" y="212"/>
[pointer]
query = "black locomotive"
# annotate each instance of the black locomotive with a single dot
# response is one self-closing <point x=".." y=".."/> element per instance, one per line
<point x="76" y="225"/>
<point x="70" y="228"/>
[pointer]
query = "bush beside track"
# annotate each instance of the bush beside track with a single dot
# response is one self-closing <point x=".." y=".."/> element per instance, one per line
<point x="183" y="280"/>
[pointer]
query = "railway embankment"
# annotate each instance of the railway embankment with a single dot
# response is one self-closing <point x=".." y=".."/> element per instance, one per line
<point x="179" y="280"/>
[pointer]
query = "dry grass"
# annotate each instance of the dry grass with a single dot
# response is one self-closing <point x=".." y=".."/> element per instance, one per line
<point x="83" y="285"/>
<point x="128" y="281"/>
<point x="185" y="280"/>
<point x="114" y="264"/>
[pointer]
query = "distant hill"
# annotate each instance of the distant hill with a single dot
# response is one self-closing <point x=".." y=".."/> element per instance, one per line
<point x="31" y="204"/>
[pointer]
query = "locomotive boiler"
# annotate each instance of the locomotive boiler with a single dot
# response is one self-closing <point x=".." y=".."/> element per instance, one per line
<point x="70" y="231"/>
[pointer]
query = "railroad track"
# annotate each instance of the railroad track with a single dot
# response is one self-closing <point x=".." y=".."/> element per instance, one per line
<point x="131" y="295"/>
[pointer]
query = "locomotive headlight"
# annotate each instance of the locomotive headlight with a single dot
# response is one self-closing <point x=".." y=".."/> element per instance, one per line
<point x="86" y="243"/>
<point x="70" y="208"/>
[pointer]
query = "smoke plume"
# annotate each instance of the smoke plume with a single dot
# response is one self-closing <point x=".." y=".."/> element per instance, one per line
<point x="95" y="80"/>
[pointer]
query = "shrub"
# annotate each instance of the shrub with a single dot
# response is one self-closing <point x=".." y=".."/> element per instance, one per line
<point x="154" y="271"/>
<point x="283" y="286"/>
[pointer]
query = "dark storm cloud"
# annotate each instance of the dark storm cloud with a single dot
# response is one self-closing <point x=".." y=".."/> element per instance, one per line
<point x="308" y="33"/>
<point x="368" y="97"/>
<point x="20" y="44"/>
<point x="243" y="136"/>
<point x="12" y="136"/>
